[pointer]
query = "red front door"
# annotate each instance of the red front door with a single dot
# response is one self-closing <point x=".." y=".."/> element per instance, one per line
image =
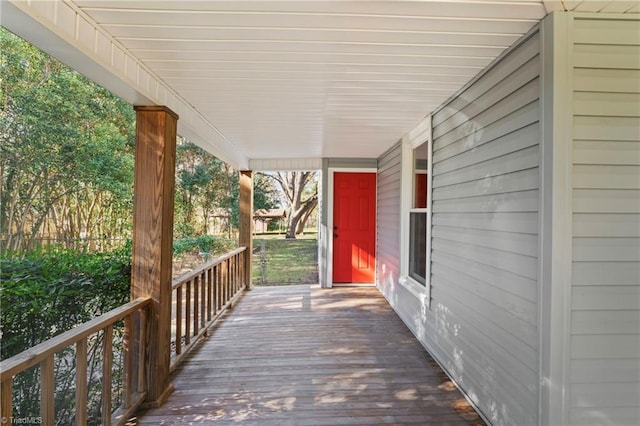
<point x="354" y="228"/>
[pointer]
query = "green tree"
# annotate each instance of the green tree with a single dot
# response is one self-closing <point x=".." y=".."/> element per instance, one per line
<point x="205" y="183"/>
<point x="66" y="157"/>
<point x="300" y="192"/>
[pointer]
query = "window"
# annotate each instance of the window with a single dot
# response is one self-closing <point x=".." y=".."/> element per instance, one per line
<point x="415" y="212"/>
<point x="418" y="215"/>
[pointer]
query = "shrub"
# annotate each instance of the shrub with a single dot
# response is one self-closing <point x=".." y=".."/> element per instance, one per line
<point x="203" y="244"/>
<point x="45" y="293"/>
<point x="49" y="291"/>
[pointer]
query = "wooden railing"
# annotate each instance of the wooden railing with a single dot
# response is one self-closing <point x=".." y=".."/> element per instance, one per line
<point x="201" y="296"/>
<point x="43" y="355"/>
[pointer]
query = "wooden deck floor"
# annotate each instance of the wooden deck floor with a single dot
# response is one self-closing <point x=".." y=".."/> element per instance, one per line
<point x="301" y="355"/>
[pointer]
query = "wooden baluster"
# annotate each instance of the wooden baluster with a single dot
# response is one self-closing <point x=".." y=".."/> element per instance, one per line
<point x="107" y="365"/>
<point x="232" y="276"/>
<point x="179" y="320"/>
<point x="229" y="283"/>
<point x="81" y="382"/>
<point x="216" y="290"/>
<point x="210" y="308"/>
<point x="239" y="271"/>
<point x="128" y="360"/>
<point x="245" y="254"/>
<point x="220" y="288"/>
<point x="6" y="399"/>
<point x="203" y="295"/>
<point x="187" y="314"/>
<point x="142" y="350"/>
<point x="235" y="273"/>
<point x="47" y="391"/>
<point x="225" y="280"/>
<point x="196" y="305"/>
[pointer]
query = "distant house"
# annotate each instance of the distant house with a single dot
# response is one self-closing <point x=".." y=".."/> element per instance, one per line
<point x="262" y="218"/>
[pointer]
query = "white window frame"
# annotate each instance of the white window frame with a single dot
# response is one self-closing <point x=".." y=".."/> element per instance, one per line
<point x="420" y="135"/>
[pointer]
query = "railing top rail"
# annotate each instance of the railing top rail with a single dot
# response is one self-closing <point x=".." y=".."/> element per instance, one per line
<point x="34" y="355"/>
<point x="178" y="281"/>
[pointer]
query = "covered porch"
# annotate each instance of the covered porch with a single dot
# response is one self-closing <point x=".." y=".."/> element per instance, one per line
<point x="302" y="355"/>
<point x="518" y="269"/>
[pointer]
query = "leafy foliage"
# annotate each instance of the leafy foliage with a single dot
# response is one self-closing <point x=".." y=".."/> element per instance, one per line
<point x="205" y="184"/>
<point x="66" y="159"/>
<point x="202" y="244"/>
<point x="47" y="293"/>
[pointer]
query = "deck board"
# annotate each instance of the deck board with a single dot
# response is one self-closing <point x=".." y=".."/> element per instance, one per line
<point x="301" y="355"/>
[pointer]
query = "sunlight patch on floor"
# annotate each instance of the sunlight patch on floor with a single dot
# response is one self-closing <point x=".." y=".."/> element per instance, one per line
<point x="280" y="404"/>
<point x="406" y="395"/>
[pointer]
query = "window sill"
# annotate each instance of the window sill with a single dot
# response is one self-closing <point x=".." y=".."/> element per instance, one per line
<point x="415" y="288"/>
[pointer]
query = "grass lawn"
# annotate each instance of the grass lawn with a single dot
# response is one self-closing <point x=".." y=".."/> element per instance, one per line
<point x="285" y="262"/>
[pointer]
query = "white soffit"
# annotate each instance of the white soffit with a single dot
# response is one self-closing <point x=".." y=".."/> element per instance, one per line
<point x="57" y="28"/>
<point x="315" y="78"/>
<point x="296" y="79"/>
<point x="597" y="6"/>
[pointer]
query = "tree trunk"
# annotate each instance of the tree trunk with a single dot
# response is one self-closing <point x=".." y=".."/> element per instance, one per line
<point x="309" y="208"/>
<point x="293" y="186"/>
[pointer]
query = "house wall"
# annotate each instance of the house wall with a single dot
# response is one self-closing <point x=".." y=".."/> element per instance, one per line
<point x="535" y="284"/>
<point x="485" y="238"/>
<point x="481" y="325"/>
<point x="604" y="370"/>
<point x="388" y="214"/>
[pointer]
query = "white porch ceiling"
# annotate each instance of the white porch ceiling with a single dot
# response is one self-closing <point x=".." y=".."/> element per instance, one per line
<point x="298" y="79"/>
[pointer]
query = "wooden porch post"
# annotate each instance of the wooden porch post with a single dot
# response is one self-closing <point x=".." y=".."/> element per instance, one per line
<point x="153" y="237"/>
<point x="246" y="222"/>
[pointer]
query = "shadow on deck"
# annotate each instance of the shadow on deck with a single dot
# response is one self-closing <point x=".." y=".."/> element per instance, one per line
<point x="302" y="355"/>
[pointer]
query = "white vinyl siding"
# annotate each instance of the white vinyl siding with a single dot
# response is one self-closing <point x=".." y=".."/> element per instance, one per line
<point x="535" y="260"/>
<point x="388" y="213"/>
<point x="485" y="239"/>
<point x="481" y="325"/>
<point x="605" y="295"/>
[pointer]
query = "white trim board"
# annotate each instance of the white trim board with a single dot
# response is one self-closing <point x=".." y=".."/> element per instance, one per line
<point x="555" y="225"/>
